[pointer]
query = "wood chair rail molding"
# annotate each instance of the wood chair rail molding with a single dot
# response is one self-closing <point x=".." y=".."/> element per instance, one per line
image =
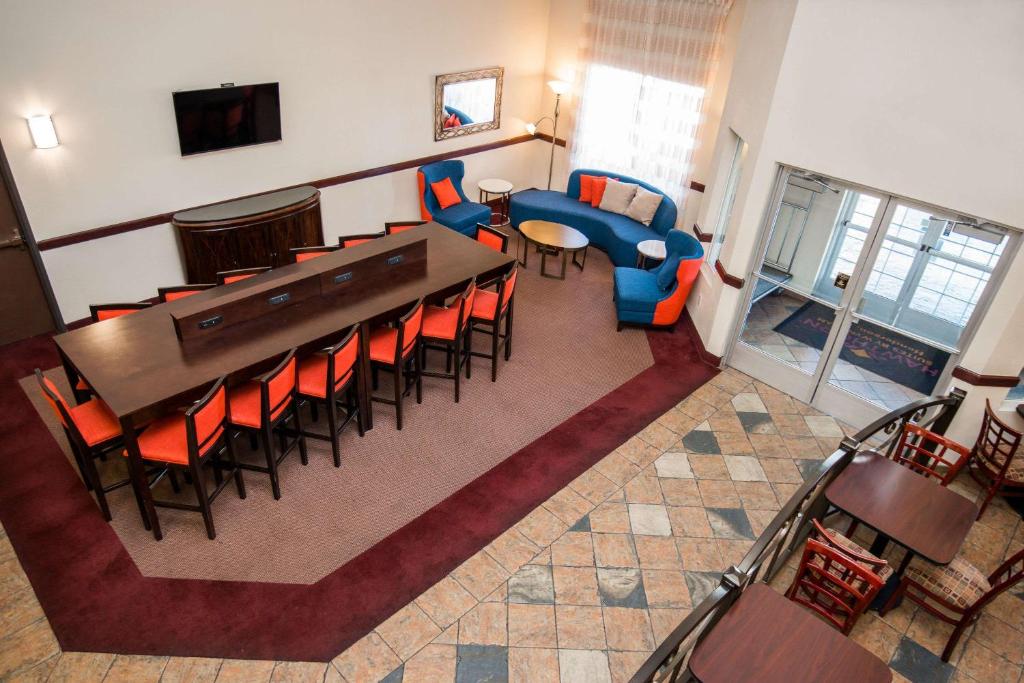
<point x="728" y="279"/>
<point x="978" y="380"/>
<point x="701" y="235"/>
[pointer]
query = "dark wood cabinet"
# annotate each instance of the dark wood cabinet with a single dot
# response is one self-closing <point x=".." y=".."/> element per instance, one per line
<point x="250" y="232"/>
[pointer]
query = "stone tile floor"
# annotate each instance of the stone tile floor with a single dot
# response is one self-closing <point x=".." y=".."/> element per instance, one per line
<point x="585" y="586"/>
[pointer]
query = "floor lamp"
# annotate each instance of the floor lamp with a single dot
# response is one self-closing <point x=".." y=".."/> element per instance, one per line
<point x="559" y="88"/>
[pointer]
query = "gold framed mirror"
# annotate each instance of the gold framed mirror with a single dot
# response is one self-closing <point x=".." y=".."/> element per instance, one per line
<point x="467" y="102"/>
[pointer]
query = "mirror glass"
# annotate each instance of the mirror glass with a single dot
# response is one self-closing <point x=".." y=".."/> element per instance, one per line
<point x="467" y="102"/>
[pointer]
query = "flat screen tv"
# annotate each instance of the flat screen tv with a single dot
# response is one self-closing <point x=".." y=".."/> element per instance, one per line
<point x="232" y="116"/>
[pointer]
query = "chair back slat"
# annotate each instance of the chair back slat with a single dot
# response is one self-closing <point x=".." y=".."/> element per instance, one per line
<point x="277" y="387"/>
<point x="101" y="312"/>
<point x="508" y="286"/>
<point x="930" y="454"/>
<point x="833" y="585"/>
<point x="489" y="237"/>
<point x="180" y="291"/>
<point x="409" y="327"/>
<point x="997" y="443"/>
<point x="346" y="241"/>
<point x="341" y="358"/>
<point x="55" y="399"/>
<point x="467" y="298"/>
<point x="393" y="228"/>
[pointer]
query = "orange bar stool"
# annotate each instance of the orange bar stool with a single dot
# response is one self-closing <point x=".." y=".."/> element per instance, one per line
<point x="97" y="313"/>
<point x="331" y="377"/>
<point x="92" y="432"/>
<point x="447" y="329"/>
<point x="491" y="237"/>
<point x="396" y="227"/>
<point x="490" y="310"/>
<point x="300" y="254"/>
<point x="262" y="407"/>
<point x="180" y="292"/>
<point x="226" y="277"/>
<point x="188" y="441"/>
<point x="346" y="241"/>
<point x="397" y="349"/>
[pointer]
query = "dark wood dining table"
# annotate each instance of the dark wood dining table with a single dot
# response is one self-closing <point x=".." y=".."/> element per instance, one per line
<point x="138" y="366"/>
<point x="927" y="519"/>
<point x="766" y="638"/>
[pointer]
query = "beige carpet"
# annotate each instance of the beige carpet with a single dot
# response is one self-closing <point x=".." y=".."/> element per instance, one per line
<point x="566" y="355"/>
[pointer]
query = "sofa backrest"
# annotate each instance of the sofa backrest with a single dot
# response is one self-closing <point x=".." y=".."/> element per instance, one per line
<point x="432" y="173"/>
<point x="664" y="218"/>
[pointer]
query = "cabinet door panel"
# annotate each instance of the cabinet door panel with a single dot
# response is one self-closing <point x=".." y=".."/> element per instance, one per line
<point x="212" y="252"/>
<point x="254" y="247"/>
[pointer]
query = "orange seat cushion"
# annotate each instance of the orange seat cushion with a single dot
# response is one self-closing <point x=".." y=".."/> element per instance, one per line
<point x="307" y="255"/>
<point x="441" y="323"/>
<point x="352" y="243"/>
<point x="237" y="278"/>
<point x="174" y="296"/>
<point x="82" y="385"/>
<point x="598" y="184"/>
<point x="485" y="304"/>
<point x="382" y="344"/>
<point x="165" y="440"/>
<point x="95" y="422"/>
<point x="244" y="406"/>
<point x="313" y="376"/>
<point x="445" y="193"/>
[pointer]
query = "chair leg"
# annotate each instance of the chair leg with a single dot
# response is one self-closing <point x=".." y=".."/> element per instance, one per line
<point x="399" y="381"/>
<point x="173" y="476"/>
<point x="314" y="411"/>
<point x="508" y="332"/>
<point x="332" y="428"/>
<point x="989" y="494"/>
<point x="204" y="502"/>
<point x="375" y="377"/>
<point x="91" y="474"/>
<point x="896" y="596"/>
<point x="954" y="638"/>
<point x="469" y="350"/>
<point x="353" y="404"/>
<point x="418" y="369"/>
<point x="458" y="365"/>
<point x="239" y="482"/>
<point x="253" y="441"/>
<point x="303" y="451"/>
<point x="218" y="475"/>
<point x="494" y="350"/>
<point x="268" y="452"/>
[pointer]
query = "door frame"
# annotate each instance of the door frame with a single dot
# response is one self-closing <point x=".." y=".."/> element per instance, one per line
<point x="7" y="177"/>
<point x="780" y="372"/>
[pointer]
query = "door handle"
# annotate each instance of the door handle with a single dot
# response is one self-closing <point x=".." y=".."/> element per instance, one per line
<point x="14" y="241"/>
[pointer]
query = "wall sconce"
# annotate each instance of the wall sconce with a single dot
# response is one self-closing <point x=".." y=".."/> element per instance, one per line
<point x="44" y="136"/>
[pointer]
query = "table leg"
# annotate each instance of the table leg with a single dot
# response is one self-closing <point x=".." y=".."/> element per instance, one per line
<point x="891" y="585"/>
<point x="577" y="263"/>
<point x="879" y="545"/>
<point x="526" y="250"/>
<point x="364" y="392"/>
<point x="140" y="483"/>
<point x="565" y="258"/>
<point x="72" y="375"/>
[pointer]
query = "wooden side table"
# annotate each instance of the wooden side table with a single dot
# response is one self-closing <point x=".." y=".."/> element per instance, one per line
<point x="503" y="190"/>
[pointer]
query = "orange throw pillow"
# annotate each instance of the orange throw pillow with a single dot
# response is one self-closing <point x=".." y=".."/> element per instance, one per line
<point x="445" y="193"/>
<point x="586" y="188"/>
<point x="598" y="190"/>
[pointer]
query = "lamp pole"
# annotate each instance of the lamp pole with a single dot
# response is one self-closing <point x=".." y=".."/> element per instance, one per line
<point x="554" y="132"/>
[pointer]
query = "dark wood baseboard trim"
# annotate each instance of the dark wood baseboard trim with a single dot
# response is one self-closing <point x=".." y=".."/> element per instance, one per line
<point x="701" y="235"/>
<point x="975" y="379"/>
<point x="730" y="280"/>
<point x="160" y="219"/>
<point x="706" y="356"/>
<point x="697" y="187"/>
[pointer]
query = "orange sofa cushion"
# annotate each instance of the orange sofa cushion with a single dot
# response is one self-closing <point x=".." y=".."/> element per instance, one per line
<point x="445" y="193"/>
<point x="598" y="184"/>
<point x="586" y="188"/>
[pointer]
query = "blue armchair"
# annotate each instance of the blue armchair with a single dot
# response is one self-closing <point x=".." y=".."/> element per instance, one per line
<point x="656" y="297"/>
<point x="461" y="217"/>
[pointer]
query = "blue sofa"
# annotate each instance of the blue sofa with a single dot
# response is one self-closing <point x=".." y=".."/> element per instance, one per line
<point x="655" y="297"/>
<point x="612" y="232"/>
<point x="461" y="217"/>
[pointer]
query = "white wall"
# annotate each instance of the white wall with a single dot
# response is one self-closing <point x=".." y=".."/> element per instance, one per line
<point x="356" y="92"/>
<point x="921" y="99"/>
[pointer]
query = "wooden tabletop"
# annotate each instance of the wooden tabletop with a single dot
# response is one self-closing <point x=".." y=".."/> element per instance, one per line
<point x="766" y="638"/>
<point x="553" y="235"/>
<point x="138" y="366"/>
<point x="916" y="512"/>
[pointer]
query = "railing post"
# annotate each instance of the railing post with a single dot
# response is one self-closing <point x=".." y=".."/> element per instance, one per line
<point x="946" y="418"/>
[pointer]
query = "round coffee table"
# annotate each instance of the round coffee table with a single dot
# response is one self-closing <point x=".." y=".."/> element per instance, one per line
<point x="552" y="238"/>
<point x="503" y="190"/>
<point x="646" y="249"/>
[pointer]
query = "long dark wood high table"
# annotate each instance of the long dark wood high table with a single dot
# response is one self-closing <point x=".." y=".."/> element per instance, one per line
<point x="137" y="365"/>
<point x="766" y="638"/>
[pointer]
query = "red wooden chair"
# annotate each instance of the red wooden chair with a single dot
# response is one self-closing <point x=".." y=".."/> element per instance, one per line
<point x="346" y="241"/>
<point x="447" y="328"/>
<point x="189" y="440"/>
<point x="833" y="585"/>
<point x="851" y="548"/>
<point x="930" y="454"/>
<point x="396" y="227"/>
<point x="92" y="432"/>
<point x="397" y="349"/>
<point x="263" y="406"/>
<point x="491" y="237"/>
<point x="226" y="277"/>
<point x="98" y="313"/>
<point x="332" y="377"/>
<point x="180" y="292"/>
<point x="300" y="254"/>
<point x="994" y="464"/>
<point x="957" y="592"/>
<point x="490" y="310"/>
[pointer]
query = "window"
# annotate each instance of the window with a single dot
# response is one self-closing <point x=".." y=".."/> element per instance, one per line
<point x="641" y="126"/>
<point x="736" y="151"/>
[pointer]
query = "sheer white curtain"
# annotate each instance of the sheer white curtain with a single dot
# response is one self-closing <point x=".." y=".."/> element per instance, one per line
<point x="645" y="66"/>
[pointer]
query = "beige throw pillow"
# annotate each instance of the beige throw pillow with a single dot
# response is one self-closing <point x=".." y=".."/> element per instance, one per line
<point x="617" y="196"/>
<point x="644" y="205"/>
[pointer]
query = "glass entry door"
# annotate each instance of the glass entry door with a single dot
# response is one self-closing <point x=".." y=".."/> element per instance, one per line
<point x="861" y="300"/>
